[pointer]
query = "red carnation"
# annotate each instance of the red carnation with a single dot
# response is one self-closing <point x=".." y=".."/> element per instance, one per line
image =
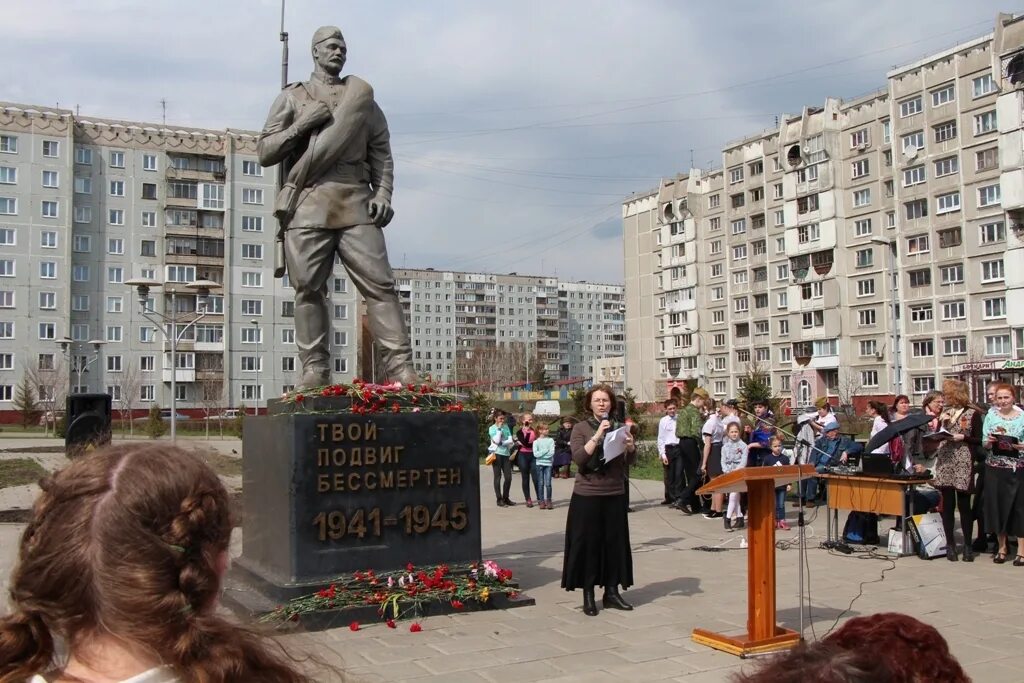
<point x="390" y="623"/>
<point x="395" y="407"/>
<point x="415" y="627"/>
<point x="457" y="604"/>
<point x="299" y="398"/>
<point x="354" y="626"/>
<point x="408" y="567"/>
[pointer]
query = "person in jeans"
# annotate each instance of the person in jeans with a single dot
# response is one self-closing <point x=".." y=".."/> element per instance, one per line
<point x="543" y="457"/>
<point x="501" y="438"/>
<point x="688" y="429"/>
<point x="777" y="457"/>
<point x="525" y="438"/>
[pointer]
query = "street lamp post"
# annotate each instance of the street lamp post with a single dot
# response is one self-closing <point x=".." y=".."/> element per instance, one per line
<point x="256" y="397"/>
<point x="455" y="387"/>
<point x="66" y="345"/>
<point x="897" y="380"/>
<point x="202" y="289"/>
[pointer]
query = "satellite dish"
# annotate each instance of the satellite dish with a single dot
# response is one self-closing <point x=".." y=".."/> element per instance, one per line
<point x="910" y="153"/>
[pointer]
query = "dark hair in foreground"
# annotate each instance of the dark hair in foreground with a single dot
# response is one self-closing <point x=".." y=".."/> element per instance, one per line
<point x="129" y="541"/>
<point x="914" y="651"/>
<point x="819" y="662"/>
<point x="608" y="391"/>
<point x="880" y="408"/>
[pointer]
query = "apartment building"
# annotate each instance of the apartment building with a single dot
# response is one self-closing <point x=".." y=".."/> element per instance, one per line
<point x="864" y="247"/>
<point x="87" y="204"/>
<point x="565" y="325"/>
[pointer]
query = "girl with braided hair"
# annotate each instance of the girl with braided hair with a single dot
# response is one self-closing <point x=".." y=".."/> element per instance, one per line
<point x="123" y="561"/>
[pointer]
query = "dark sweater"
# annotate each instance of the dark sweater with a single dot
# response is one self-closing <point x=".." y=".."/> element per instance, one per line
<point x="610" y="482"/>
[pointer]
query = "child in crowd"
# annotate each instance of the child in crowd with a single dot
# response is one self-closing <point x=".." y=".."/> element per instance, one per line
<point x="543" y="457"/>
<point x="734" y="457"/>
<point x="778" y="457"/>
<point x="563" y="454"/>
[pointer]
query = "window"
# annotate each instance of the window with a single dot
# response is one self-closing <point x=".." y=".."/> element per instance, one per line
<point x="83" y="155"/>
<point x="997" y="345"/>
<point x="114" y="364"/>
<point x="914" y="176"/>
<point x="47" y="330"/>
<point x="147" y="363"/>
<point x="922" y="348"/>
<point x="859" y="137"/>
<point x="149" y="190"/>
<point x="868" y="347"/>
<point x="213" y="196"/>
<point x="948" y="202"/>
<point x="8" y="206"/>
<point x="737" y="200"/>
<point x="48" y="239"/>
<point x="252" y="195"/>
<point x="51" y="179"/>
<point x="252" y="278"/>
<point x="83" y="214"/>
<point x="739" y="253"/>
<point x="6" y="330"/>
<point x="813" y="319"/>
<point x="808" y="233"/>
<point x="945" y="131"/>
<point x="786" y="354"/>
<point x="985" y="122"/>
<point x="80" y="273"/>
<point x="862" y="197"/>
<point x="8" y="237"/>
<point x="986" y="159"/>
<point x="860" y="168"/>
<point x="994" y="308"/>
<point x="988" y="195"/>
<point x="149" y="162"/>
<point x="115" y="245"/>
<point x="866" y="287"/>
<point x="869" y="378"/>
<point x="890" y="219"/>
<point x="947" y="166"/>
<point x="777" y="191"/>
<point x="115" y="216"/>
<point x="865" y="257"/>
<point x="739" y="277"/>
<point x="950" y="237"/>
<point x="148" y="248"/>
<point x="48" y="301"/>
<point x="117" y="159"/>
<point x="918" y="245"/>
<point x="9" y="144"/>
<point x="953" y="274"/>
<point x="992" y="271"/>
<point x="80" y="302"/>
<point x="921" y="277"/>
<point x="7" y="361"/>
<point x="910" y="107"/>
<point x="8" y="175"/>
<point x="714" y="201"/>
<point x="782" y="272"/>
<point x="116" y="188"/>
<point x="954" y="346"/>
<point x="780" y="218"/>
<point x="993" y="233"/>
<point x="252" y="364"/>
<point x="718" y="316"/>
<point x="944" y="95"/>
<point x="115" y="304"/>
<point x="782" y="300"/>
<point x="739" y="226"/>
<point x="862" y="227"/>
<point x="716" y="270"/>
<point x="866" y="317"/>
<point x="922" y="385"/>
<point x="912" y="141"/>
<point x="51" y="148"/>
<point x="47" y="270"/>
<point x="783" y="328"/>
<point x="287" y="335"/>
<point x="717" y="293"/>
<point x="181" y="273"/>
<point x="149" y="219"/>
<point x="50" y="209"/>
<point x="715" y="223"/>
<point x="115" y="275"/>
<point x="916" y="209"/>
<point x="252" y="251"/>
<point x="921" y="313"/>
<point x="807" y="204"/>
<point x="252" y="335"/>
<point x="983" y="85"/>
<point x="252" y="307"/>
<point x="740" y="304"/>
<point x="81" y="244"/>
<point x="736" y="175"/>
<point x="147" y="393"/>
<point x="252" y="168"/>
<point x="886" y="132"/>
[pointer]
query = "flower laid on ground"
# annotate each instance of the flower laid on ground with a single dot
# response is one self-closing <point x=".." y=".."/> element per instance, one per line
<point x="402" y="593"/>
<point x="415" y="627"/>
<point x="367" y="397"/>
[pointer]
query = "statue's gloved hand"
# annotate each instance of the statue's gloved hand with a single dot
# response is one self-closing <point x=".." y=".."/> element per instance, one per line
<point x="381" y="211"/>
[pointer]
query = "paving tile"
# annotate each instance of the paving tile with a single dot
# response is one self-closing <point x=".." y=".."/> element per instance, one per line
<point x="538" y="670"/>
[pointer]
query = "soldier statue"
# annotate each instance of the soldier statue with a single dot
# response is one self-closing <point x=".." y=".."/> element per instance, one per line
<point x="332" y="142"/>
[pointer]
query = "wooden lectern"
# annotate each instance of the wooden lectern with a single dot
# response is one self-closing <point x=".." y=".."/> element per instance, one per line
<point x="763" y="634"/>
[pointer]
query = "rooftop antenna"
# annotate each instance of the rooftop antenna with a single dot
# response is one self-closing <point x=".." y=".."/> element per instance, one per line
<point x="284" y="51"/>
<point x="163" y="108"/>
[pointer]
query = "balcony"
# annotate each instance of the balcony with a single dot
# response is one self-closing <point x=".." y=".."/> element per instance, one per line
<point x="210" y="176"/>
<point x="182" y="375"/>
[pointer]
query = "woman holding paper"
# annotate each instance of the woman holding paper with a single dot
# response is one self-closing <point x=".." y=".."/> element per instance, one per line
<point x="958" y="435"/>
<point x="597" y="551"/>
<point x="1004" y="496"/>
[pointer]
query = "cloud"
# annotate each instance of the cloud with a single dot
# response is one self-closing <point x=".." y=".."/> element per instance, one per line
<point x="518" y="128"/>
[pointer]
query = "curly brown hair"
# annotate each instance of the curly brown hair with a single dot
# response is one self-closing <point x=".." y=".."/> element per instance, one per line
<point x="131" y="541"/>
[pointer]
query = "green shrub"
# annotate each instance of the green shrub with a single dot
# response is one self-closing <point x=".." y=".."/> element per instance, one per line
<point x="155" y="425"/>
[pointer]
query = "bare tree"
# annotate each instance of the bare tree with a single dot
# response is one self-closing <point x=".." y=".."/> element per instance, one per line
<point x="850" y="384"/>
<point x="212" y="398"/>
<point x="51" y="384"/>
<point x="128" y="383"/>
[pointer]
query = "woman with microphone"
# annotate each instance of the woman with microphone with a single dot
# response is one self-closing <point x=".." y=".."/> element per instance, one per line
<point x="597" y="550"/>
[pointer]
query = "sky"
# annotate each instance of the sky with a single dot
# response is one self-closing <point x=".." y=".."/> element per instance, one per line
<point x="517" y="128"/>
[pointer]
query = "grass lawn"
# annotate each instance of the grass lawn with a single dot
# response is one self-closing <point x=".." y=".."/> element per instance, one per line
<point x="19" y="472"/>
<point x="224" y="465"/>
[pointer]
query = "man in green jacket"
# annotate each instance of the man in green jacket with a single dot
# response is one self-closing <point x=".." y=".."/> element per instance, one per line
<point x="688" y="426"/>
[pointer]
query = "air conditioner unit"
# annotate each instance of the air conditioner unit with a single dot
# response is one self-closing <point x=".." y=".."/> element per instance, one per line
<point x="862" y="146"/>
<point x="879" y="355"/>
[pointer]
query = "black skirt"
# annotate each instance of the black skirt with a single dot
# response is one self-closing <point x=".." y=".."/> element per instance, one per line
<point x="597" y="550"/>
<point x="1004" y="501"/>
<point x="715" y="460"/>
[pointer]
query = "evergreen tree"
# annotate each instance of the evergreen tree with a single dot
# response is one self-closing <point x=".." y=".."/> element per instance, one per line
<point x="155" y="425"/>
<point x="25" y="402"/>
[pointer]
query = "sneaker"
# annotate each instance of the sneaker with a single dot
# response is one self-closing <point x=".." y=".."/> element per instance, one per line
<point x="783" y="525"/>
<point x="529" y="503"/>
<point x="743" y="542"/>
